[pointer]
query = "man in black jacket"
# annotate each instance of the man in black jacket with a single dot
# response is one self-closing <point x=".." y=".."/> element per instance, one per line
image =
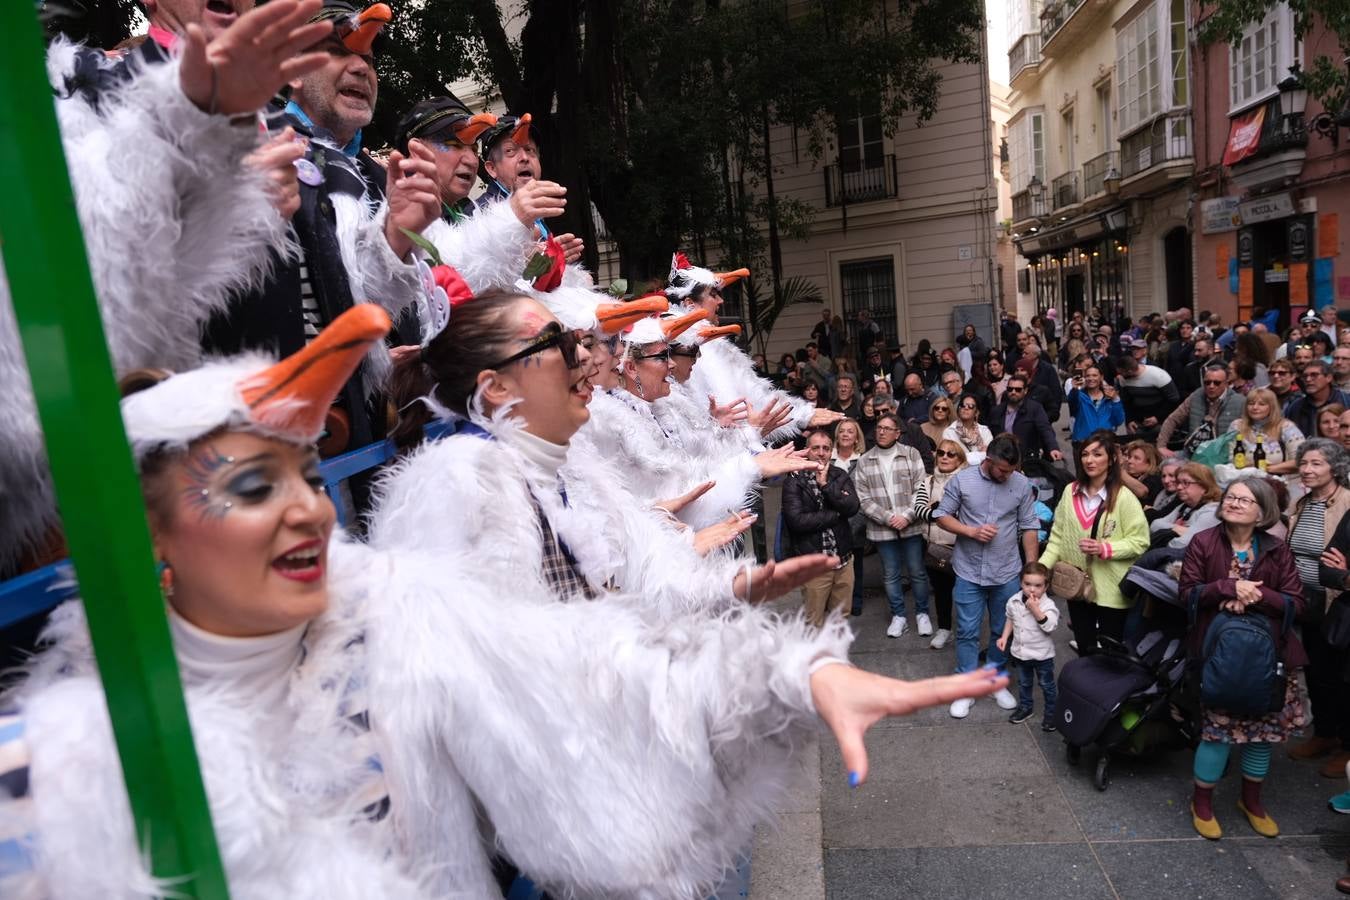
<point x="1025" y="419"/>
<point x="817" y="505"/>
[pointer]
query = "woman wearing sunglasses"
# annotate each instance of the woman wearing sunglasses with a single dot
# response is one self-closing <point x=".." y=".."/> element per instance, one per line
<point x="614" y="744"/>
<point x="967" y="430"/>
<point x="949" y="458"/>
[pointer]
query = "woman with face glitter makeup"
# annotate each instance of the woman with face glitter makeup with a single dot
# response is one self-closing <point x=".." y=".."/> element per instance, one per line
<point x="264" y="642"/>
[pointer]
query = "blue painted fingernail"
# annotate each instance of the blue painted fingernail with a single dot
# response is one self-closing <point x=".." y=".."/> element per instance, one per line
<point x="853" y="779"/>
<point x="989" y="667"/>
<point x="1002" y="673"/>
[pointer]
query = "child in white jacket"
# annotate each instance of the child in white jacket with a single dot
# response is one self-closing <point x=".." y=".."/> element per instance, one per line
<point x="1031" y="618"/>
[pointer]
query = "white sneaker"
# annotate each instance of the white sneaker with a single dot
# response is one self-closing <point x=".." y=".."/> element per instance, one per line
<point x="961" y="708"/>
<point x="925" y="624"/>
<point x="1005" y="699"/>
<point x="897" y="627"/>
<point x="940" y="639"/>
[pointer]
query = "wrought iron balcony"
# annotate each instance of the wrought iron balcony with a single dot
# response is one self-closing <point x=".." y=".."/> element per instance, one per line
<point x="862" y="186"/>
<point x="1024" y="54"/>
<point x="1095" y="171"/>
<point x="1064" y="190"/>
<point x="1167" y="139"/>
<point x="1054" y="15"/>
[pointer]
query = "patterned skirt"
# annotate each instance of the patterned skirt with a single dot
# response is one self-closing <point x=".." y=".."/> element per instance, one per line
<point x="1272" y="728"/>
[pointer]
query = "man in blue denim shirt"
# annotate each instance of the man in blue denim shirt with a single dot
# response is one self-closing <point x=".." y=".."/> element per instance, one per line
<point x="987" y="507"/>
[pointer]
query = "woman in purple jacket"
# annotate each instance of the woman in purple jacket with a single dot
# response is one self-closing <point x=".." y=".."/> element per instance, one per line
<point x="1237" y="567"/>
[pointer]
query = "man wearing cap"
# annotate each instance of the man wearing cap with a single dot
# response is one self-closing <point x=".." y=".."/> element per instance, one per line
<point x="349" y="227"/>
<point x="451" y="131"/>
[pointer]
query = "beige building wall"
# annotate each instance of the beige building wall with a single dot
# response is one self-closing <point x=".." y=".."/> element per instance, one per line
<point x="938" y="232"/>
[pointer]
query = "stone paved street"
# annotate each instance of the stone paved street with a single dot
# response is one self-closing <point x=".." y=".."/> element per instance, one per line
<point x="980" y="808"/>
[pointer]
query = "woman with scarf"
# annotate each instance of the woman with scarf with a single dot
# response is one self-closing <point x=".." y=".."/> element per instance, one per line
<point x="967" y="430"/>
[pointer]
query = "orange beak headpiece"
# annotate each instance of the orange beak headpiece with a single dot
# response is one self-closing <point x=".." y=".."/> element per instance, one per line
<point x="288" y="400"/>
<point x="513" y="128"/>
<point x="356" y="28"/>
<point x="717" y="331"/>
<point x="615" y="317"/>
<point x="674" y="326"/>
<point x="726" y="278"/>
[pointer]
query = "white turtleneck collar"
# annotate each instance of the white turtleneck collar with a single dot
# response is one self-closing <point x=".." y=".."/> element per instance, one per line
<point x="260" y="667"/>
<point x="543" y="458"/>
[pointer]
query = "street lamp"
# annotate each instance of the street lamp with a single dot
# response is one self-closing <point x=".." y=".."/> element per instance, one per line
<point x="1294" y="100"/>
<point x="1037" y="191"/>
<point x="1111" y="180"/>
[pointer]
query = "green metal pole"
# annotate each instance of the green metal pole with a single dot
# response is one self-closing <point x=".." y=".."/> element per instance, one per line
<point x="104" y="519"/>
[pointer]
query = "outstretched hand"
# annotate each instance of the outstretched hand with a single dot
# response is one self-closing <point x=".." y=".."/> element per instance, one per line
<point x="850" y="701"/>
<point x="771" y="417"/>
<point x="822" y="417"/>
<point x="676" y="504"/>
<point x="737" y="412"/>
<point x="773" y="463"/>
<point x="414" y="198"/>
<point x="255" y="57"/>
<point x="717" y="536"/>
<point x="774" y="579"/>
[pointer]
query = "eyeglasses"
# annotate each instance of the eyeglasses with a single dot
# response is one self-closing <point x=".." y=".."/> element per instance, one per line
<point x="881" y="428"/>
<point x="552" y="335"/>
<point x="1212" y="383"/>
<point x="968" y="406"/>
<point x="1186" y="482"/>
<point x="664" y="356"/>
<point x="945" y="453"/>
<point x="1013" y="389"/>
<point x="943" y="408"/>
<point x="689" y="352"/>
<point x="1239" y="502"/>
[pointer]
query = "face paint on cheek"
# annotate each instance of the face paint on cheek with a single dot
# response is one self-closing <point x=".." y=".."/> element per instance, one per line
<point x="531" y="323"/>
<point x="201" y="468"/>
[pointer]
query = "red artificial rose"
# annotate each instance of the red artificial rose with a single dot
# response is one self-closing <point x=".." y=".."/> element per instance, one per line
<point x="553" y="277"/>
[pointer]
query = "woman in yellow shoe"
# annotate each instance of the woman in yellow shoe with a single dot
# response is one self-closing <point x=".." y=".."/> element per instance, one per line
<point x="1239" y="568"/>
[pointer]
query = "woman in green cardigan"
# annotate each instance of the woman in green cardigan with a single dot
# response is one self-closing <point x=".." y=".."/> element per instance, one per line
<point x="1121" y="537"/>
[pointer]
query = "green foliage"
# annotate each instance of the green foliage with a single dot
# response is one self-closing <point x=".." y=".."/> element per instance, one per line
<point x="792" y="291"/>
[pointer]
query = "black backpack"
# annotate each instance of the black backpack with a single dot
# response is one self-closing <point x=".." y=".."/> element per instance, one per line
<point x="1241" y="670"/>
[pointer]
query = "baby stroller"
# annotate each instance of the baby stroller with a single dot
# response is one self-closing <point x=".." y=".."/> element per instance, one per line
<point x="1048" y="477"/>
<point x="1130" y="698"/>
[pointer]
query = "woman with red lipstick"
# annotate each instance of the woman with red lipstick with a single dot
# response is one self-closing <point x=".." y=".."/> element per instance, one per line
<point x="594" y="692"/>
<point x="241" y="528"/>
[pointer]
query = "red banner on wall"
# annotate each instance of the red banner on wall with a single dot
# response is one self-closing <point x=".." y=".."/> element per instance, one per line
<point x="1244" y="135"/>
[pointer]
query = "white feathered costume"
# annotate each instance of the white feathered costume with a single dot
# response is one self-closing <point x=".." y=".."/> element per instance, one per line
<point x="289" y="777"/>
<point x="619" y="747"/>
<point x="161" y="194"/>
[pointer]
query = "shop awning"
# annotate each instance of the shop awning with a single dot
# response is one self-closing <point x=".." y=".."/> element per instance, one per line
<point x="1074" y="232"/>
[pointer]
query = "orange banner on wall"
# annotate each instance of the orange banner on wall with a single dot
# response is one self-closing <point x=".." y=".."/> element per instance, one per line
<point x="1244" y="288"/>
<point x="1298" y="284"/>
<point x="1244" y="136"/>
<point x="1328" y="235"/>
<point x="1221" y="256"/>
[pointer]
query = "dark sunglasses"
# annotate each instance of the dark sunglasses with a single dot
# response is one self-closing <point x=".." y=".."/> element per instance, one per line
<point x="1016" y="390"/>
<point x="1215" y="383"/>
<point x="553" y="335"/>
<point x="968" y="406"/>
<point x="944" y="453"/>
<point x="689" y="352"/>
<point x="664" y="356"/>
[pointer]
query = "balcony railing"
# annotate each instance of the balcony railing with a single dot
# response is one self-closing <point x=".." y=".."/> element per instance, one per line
<point x="876" y="182"/>
<point x="1026" y="52"/>
<point x="1025" y="206"/>
<point x="1167" y="139"/>
<point x="1094" y="172"/>
<point x="1054" y="15"/>
<point x="1064" y="190"/>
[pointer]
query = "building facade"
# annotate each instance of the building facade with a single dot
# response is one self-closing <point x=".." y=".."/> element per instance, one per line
<point x="1152" y="172"/>
<point x="1273" y="187"/>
